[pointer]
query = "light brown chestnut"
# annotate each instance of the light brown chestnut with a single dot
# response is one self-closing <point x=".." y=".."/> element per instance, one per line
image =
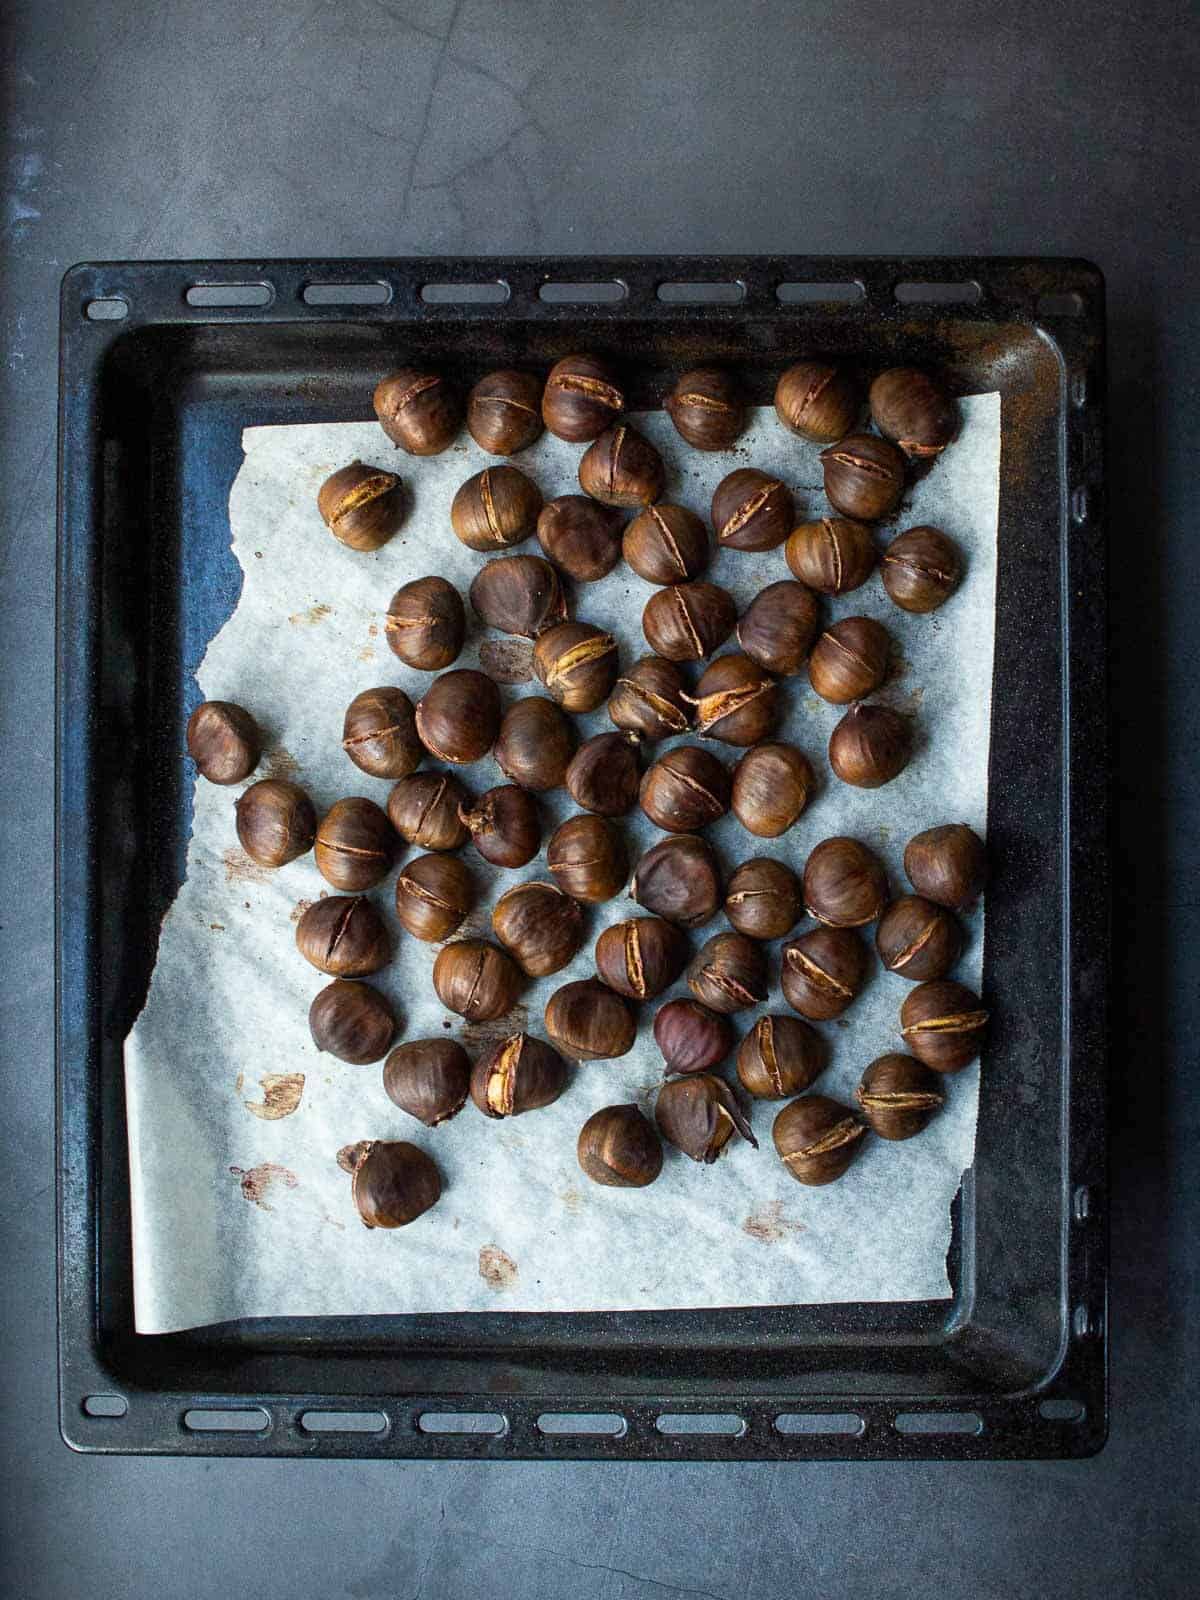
<point x="679" y="879"/>
<point x="641" y="957"/>
<point x="540" y="925"/>
<point x="648" y="699"/>
<point x="920" y="569"/>
<point x="618" y="1147"/>
<point x="425" y="624"/>
<point x="458" y="716"/>
<point x="736" y="701"/>
<point x="577" y="663"/>
<point x="943" y="1024"/>
<point x="588" y="859"/>
<point x="393" y="1183"/>
<point x="849" y="660"/>
<point x="778" y="626"/>
<point x="504" y="825"/>
<point x="428" y="1078"/>
<point x="780" y="1057"/>
<point x="912" y="409"/>
<point x="535" y="743"/>
<point x="520" y="595"/>
<point x="917" y="939"/>
<point x="817" y="1138"/>
<point x="476" y="980"/>
<point x="581" y="536"/>
<point x="343" y="936"/>
<point x="822" y="971"/>
<point x="588" y="1021"/>
<point x="899" y="1096"/>
<point x="224" y="742"/>
<point x="424" y="809"/>
<point x="832" y="556"/>
<point x="379" y="734"/>
<point x="419" y="411"/>
<point x="751" y="510"/>
<point x="355" y="845"/>
<point x="864" y="476"/>
<point x="433" y="895"/>
<point x="495" y="509"/>
<point x="362" y="506"/>
<point x="699" y="1115"/>
<point x="707" y="409"/>
<point x="688" y="621"/>
<point x="666" y="544"/>
<point x="870" y="746"/>
<point x="351" y="1021"/>
<point x="948" y="865"/>
<point x="772" y="784"/>
<point x="816" y="401"/>
<point x="603" y="775"/>
<point x="764" y="899"/>
<point x="621" y="468"/>
<point x="845" y="885"/>
<point x="504" y="411"/>
<point x="581" y="398"/>
<point x="520" y="1074"/>
<point x="276" y="821"/>
<point x="685" y="789"/>
<point x="728" y="973"/>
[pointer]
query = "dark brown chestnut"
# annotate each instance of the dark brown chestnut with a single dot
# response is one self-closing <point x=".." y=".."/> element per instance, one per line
<point x="943" y="1024"/>
<point x="920" y="569"/>
<point x="393" y="1183"/>
<point x="666" y="544"/>
<point x="772" y="784"/>
<point x="864" y="476"/>
<point x="581" y="398"/>
<point x="361" y="506"/>
<point x="679" y="879"/>
<point x="379" y="734"/>
<point x="343" y="936"/>
<point x="728" y="973"/>
<point x="849" y="660"/>
<point x="618" y="1148"/>
<point x="588" y="859"/>
<point x="817" y="1138"/>
<point x="948" y="865"/>
<point x="688" y="621"/>
<point x="476" y="979"/>
<point x="458" y="716"/>
<point x="425" y="624"/>
<point x="504" y="411"/>
<point x="699" y="1115"/>
<point x="707" y="409"/>
<point x="648" y="699"/>
<point x="540" y="925"/>
<point x="433" y="895"/>
<point x="736" y="701"/>
<point x="535" y="743"/>
<point x="352" y="1021"/>
<point x="822" y="971"/>
<point x="691" y="1037"/>
<point x="917" y="939"/>
<point x="778" y="625"/>
<point x="779" y="1057"/>
<point x="428" y="1078"/>
<point x="495" y="509"/>
<point x="224" y="742"/>
<point x="899" y="1096"/>
<point x="621" y="468"/>
<point x="603" y="775"/>
<point x="752" y="510"/>
<point x="577" y="663"/>
<point x="914" y="411"/>
<point x="870" y="746"/>
<point x="519" y="595"/>
<point x="276" y="821"/>
<point x="685" y="789"/>
<point x="504" y="825"/>
<point x="833" y="555"/>
<point x="641" y="957"/>
<point x="816" y="401"/>
<point x="517" y="1075"/>
<point x="581" y="536"/>
<point x="588" y="1021"/>
<point x="764" y="899"/>
<point x="424" y="809"/>
<point x="845" y="885"/>
<point x="355" y="845"/>
<point x="418" y="411"/>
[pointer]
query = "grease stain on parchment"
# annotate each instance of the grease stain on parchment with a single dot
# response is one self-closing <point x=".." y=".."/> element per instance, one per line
<point x="507" y="660"/>
<point x="258" y="1182"/>
<point x="240" y="869"/>
<point x="310" y="616"/>
<point x="279" y="763"/>
<point x="281" y="1095"/>
<point x="769" y="1225"/>
<point x="498" y="1270"/>
<point x="298" y="910"/>
<point x="480" y="1036"/>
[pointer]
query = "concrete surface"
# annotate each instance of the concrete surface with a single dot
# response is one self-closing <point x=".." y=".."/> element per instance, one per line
<point x="238" y="127"/>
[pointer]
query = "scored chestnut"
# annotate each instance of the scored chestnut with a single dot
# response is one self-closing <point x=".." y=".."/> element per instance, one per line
<point x="581" y="398"/>
<point x="581" y="536"/>
<point x="641" y="957"/>
<point x="519" y="1074"/>
<point x="504" y="825"/>
<point x="588" y="1021"/>
<point x="780" y="1057"/>
<point x="352" y="1021"/>
<point x="496" y="508"/>
<point x="752" y="510"/>
<point x="504" y="411"/>
<point x="679" y="879"/>
<point x="817" y="1138"/>
<point x="944" y="1024"/>
<point x="617" y="1147"/>
<point x="648" y="699"/>
<point x="393" y="1183"/>
<point x="899" y="1096"/>
<point x="276" y="821"/>
<point x="540" y="925"/>
<point x="832" y="556"/>
<point x="433" y="895"/>
<point x="223" y="740"/>
<point x="870" y="746"/>
<point x="772" y="784"/>
<point x="458" y="716"/>
<point x="688" y="621"/>
<point x="699" y="1115"/>
<point x="419" y="411"/>
<point x="692" y="1037"/>
<point x="535" y="743"/>
<point x="864" y="476"/>
<point x="520" y="595"/>
<point x="355" y="845"/>
<point x="361" y="506"/>
<point x="849" y="660"/>
<point x="736" y="701"/>
<point x="379" y="734"/>
<point x="685" y="789"/>
<point x="577" y="663"/>
<point x="666" y="544"/>
<point x="621" y="468"/>
<point x="816" y="401"/>
<point x="822" y="971"/>
<point x="425" y="624"/>
<point x="344" y="936"/>
<point x="707" y="409"/>
<point x="476" y="979"/>
<point x="920" y="569"/>
<point x="588" y="859"/>
<point x="947" y="864"/>
<point x="603" y="775"/>
<point x="764" y="899"/>
<point x="914" y="411"/>
<point x="728" y="973"/>
<point x="428" y="1078"/>
<point x="917" y="939"/>
<point x="424" y="809"/>
<point x="845" y="885"/>
<point x="778" y="626"/>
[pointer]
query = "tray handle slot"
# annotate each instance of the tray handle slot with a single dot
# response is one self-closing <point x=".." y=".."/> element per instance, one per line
<point x="218" y="296"/>
<point x="488" y="1423"/>
<point x="726" y="1424"/>
<point x="584" y="1424"/>
<point x="846" y="1423"/>
<point x="938" y="1422"/>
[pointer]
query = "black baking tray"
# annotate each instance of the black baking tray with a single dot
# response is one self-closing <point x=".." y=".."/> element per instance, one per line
<point x="162" y="365"/>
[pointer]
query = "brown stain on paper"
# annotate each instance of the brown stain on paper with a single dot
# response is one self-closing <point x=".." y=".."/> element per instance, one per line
<point x="298" y="910"/>
<point x="770" y="1226"/>
<point x="482" y="1036"/>
<point x="240" y="869"/>
<point x="281" y="1092"/>
<point x="310" y="617"/>
<point x="280" y="763"/>
<point x="498" y="1271"/>
<point x="507" y="660"/>
<point x="258" y="1182"/>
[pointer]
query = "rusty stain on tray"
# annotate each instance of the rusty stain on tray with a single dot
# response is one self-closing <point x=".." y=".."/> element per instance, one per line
<point x="257" y="1182"/>
<point x="507" y="660"/>
<point x="769" y="1225"/>
<point x="498" y="1270"/>
<point x="281" y="1092"/>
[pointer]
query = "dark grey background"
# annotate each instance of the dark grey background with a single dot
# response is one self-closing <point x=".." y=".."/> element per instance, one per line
<point x="243" y="127"/>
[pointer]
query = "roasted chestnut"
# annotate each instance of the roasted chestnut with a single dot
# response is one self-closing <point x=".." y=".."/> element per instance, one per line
<point x="849" y="660"/>
<point x="361" y="506"/>
<point x="913" y="410"/>
<point x="666" y="544"/>
<point x="589" y="1022"/>
<point x="343" y="936"/>
<point x="728" y="973"/>
<point x="519" y="595"/>
<point x="780" y="1056"/>
<point x="355" y="845"/>
<point x="418" y="411"/>
<point x="433" y="895"/>
<point x="426" y="623"/>
<point x="687" y="621"/>
<point x="772" y="784"/>
<point x="870" y="746"/>
<point x="577" y="663"/>
<point x="691" y="1037"/>
<point x="816" y="401"/>
<point x="649" y="699"/>
<point x="947" y="865"/>
<point x="920" y="569"/>
<point x="535" y="743"/>
<point x="496" y="508"/>
<point x="476" y="980"/>
<point x="379" y="734"/>
<point x="352" y="1021"/>
<point x="845" y="885"/>
<point x="581" y="536"/>
<point x="224" y="742"/>
<point x="587" y="857"/>
<point x="581" y="398"/>
<point x="707" y="409"/>
<point x="752" y="510"/>
<point x="899" y="1096"/>
<point x="822" y="971"/>
<point x="641" y="957"/>
<point x="428" y="1078"/>
<point x="540" y="925"/>
<point x="679" y="879"/>
<point x="685" y="789"/>
<point x="504" y="411"/>
<point x="603" y="775"/>
<point x="864" y="476"/>
<point x="618" y="1148"/>
<point x="833" y="555"/>
<point x="698" y="1115"/>
<point x="458" y="716"/>
<point x="736" y="701"/>
<point x="276" y="821"/>
<point x="764" y="899"/>
<point x="621" y="468"/>
<point x="943" y="1024"/>
<point x="424" y="809"/>
<point x="504" y="825"/>
<point x="817" y="1138"/>
<point x="393" y="1183"/>
<point x="917" y="939"/>
<point x="778" y="625"/>
<point x="519" y="1074"/>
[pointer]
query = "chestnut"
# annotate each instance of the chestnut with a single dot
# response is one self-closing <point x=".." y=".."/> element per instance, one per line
<point x="379" y="734"/>
<point x="418" y="411"/>
<point x="764" y="899"/>
<point x="577" y="663"/>
<point x="618" y="1148"/>
<point x="699" y="1115"/>
<point x="498" y="507"/>
<point x="355" y="845"/>
<point x="736" y="701"/>
<point x="752" y="510"/>
<point x="641" y="957"/>
<point x="343" y="936"/>
<point x="707" y="409"/>
<point x="772" y="784"/>
<point x="504" y="411"/>
<point x="920" y="569"/>
<point x="913" y="410"/>
<point x="458" y="717"/>
<point x="917" y="939"/>
<point x="691" y="1037"/>
<point x="621" y="468"/>
<point x="816" y="401"/>
<point x="679" y="879"/>
<point x="778" y="625"/>
<point x="361" y="506"/>
<point x="833" y="555"/>
<point x="393" y="1183"/>
<point x="603" y="775"/>
<point x="947" y="864"/>
<point x="519" y="595"/>
<point x="817" y="1138"/>
<point x="581" y="398"/>
<point x="433" y="895"/>
<point x="864" y="476"/>
<point x="648" y="699"/>
<point x="870" y="746"/>
<point x="779" y="1057"/>
<point x="587" y="857"/>
<point x="352" y="1021"/>
<point x="844" y="883"/>
<point x="428" y="1078"/>
<point x="519" y="1074"/>
<point x="685" y="789"/>
<point x="540" y="925"/>
<point x="276" y="821"/>
<point x="687" y="621"/>
<point x="424" y="809"/>
<point x="223" y="740"/>
<point x="666" y="544"/>
<point x="728" y="973"/>
<point x="535" y="743"/>
<point x="943" y="1024"/>
<point x="476" y="980"/>
<point x="822" y="971"/>
<point x="581" y="536"/>
<point x="425" y="624"/>
<point x="588" y="1021"/>
<point x="504" y="825"/>
<point x="849" y="660"/>
<point x="899" y="1096"/>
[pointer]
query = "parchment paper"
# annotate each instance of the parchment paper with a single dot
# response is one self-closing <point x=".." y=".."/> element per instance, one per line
<point x="239" y="1206"/>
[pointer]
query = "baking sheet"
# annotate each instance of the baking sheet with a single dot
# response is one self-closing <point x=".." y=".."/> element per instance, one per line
<point x="235" y="1120"/>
